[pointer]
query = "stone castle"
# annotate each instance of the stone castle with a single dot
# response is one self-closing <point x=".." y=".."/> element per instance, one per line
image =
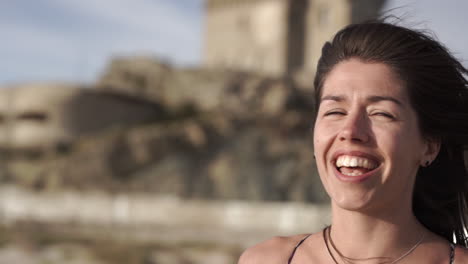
<point x="276" y="37"/>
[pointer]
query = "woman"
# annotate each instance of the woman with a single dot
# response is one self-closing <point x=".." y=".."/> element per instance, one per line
<point x="390" y="128"/>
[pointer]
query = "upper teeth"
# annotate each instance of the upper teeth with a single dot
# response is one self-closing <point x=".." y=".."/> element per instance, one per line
<point x="351" y="161"/>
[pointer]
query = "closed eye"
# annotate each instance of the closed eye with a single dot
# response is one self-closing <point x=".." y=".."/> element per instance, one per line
<point x="334" y="112"/>
<point x="383" y="114"/>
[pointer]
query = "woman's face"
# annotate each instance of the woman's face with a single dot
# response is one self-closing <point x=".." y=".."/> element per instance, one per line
<point x="367" y="143"/>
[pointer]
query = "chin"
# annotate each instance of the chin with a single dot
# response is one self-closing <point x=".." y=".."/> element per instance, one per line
<point x="350" y="206"/>
<point x="353" y="201"/>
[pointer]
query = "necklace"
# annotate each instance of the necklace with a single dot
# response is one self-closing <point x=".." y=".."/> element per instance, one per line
<point x="326" y="244"/>
<point x="349" y="260"/>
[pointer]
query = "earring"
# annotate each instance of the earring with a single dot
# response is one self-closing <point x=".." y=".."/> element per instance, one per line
<point x="427" y="163"/>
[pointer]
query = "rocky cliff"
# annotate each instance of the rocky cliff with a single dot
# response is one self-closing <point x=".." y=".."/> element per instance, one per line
<point x="220" y="135"/>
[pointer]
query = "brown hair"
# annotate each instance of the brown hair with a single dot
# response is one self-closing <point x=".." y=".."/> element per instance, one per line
<point x="438" y="91"/>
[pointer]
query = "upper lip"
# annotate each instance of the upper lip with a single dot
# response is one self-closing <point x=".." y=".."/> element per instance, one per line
<point x="356" y="153"/>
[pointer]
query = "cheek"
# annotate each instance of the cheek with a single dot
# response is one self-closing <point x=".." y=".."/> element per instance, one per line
<point x="320" y="131"/>
<point x="324" y="132"/>
<point x="322" y="142"/>
<point x="390" y="141"/>
<point x="319" y="139"/>
<point x="402" y="146"/>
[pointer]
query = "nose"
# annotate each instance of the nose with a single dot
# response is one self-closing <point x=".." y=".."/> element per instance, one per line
<point x="355" y="128"/>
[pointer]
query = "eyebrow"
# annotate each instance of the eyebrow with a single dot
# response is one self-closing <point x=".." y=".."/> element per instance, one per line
<point x="377" y="98"/>
<point x="332" y="98"/>
<point x="372" y="99"/>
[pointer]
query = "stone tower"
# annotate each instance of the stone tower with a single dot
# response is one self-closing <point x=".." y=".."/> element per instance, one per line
<point x="276" y="37"/>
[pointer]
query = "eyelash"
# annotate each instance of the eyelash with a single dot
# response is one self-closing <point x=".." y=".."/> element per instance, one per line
<point x="334" y="112"/>
<point x="384" y="114"/>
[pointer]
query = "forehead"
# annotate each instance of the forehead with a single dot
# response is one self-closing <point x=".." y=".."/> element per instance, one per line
<point x="354" y="78"/>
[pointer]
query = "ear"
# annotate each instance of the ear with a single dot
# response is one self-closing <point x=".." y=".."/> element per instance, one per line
<point x="430" y="152"/>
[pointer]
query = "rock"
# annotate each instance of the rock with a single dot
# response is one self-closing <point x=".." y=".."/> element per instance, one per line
<point x="134" y="76"/>
<point x="190" y="159"/>
<point x="48" y="117"/>
<point x="201" y="90"/>
<point x="213" y="135"/>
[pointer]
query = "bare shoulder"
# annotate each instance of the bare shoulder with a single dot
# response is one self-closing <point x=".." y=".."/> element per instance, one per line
<point x="461" y="255"/>
<point x="272" y="251"/>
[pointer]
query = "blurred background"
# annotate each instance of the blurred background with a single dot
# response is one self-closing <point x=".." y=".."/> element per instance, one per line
<point x="168" y="132"/>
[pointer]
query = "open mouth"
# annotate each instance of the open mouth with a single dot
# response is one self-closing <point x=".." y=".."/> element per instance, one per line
<point x="354" y="166"/>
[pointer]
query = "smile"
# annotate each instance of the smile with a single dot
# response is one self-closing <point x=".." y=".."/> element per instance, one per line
<point x="355" y="167"/>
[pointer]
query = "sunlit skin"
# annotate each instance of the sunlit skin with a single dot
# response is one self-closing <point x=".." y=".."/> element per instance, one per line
<point x="365" y="109"/>
<point x="365" y="112"/>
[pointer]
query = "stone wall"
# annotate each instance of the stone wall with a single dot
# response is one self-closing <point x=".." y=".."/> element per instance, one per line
<point x="247" y="35"/>
<point x="51" y="116"/>
<point x="167" y="218"/>
<point x="276" y="36"/>
<point x="326" y="17"/>
<point x="218" y="231"/>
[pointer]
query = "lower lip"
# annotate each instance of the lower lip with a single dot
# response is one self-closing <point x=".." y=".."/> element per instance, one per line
<point x="356" y="179"/>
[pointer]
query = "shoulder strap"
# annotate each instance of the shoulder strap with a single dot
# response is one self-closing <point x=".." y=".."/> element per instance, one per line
<point x="295" y="248"/>
<point x="452" y="253"/>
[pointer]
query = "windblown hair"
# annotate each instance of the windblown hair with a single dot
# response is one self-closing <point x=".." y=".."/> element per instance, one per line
<point x="438" y="91"/>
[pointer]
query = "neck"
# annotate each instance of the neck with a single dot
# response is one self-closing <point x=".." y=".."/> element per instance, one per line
<point x="383" y="234"/>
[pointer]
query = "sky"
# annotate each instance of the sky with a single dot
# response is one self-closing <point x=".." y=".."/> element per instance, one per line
<point x="74" y="40"/>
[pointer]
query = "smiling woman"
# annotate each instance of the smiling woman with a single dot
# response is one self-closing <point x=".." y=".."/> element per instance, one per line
<point x="390" y="129"/>
<point x="368" y="146"/>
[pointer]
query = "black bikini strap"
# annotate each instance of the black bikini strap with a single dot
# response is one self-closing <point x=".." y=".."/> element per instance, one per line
<point x="452" y="253"/>
<point x="295" y="248"/>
